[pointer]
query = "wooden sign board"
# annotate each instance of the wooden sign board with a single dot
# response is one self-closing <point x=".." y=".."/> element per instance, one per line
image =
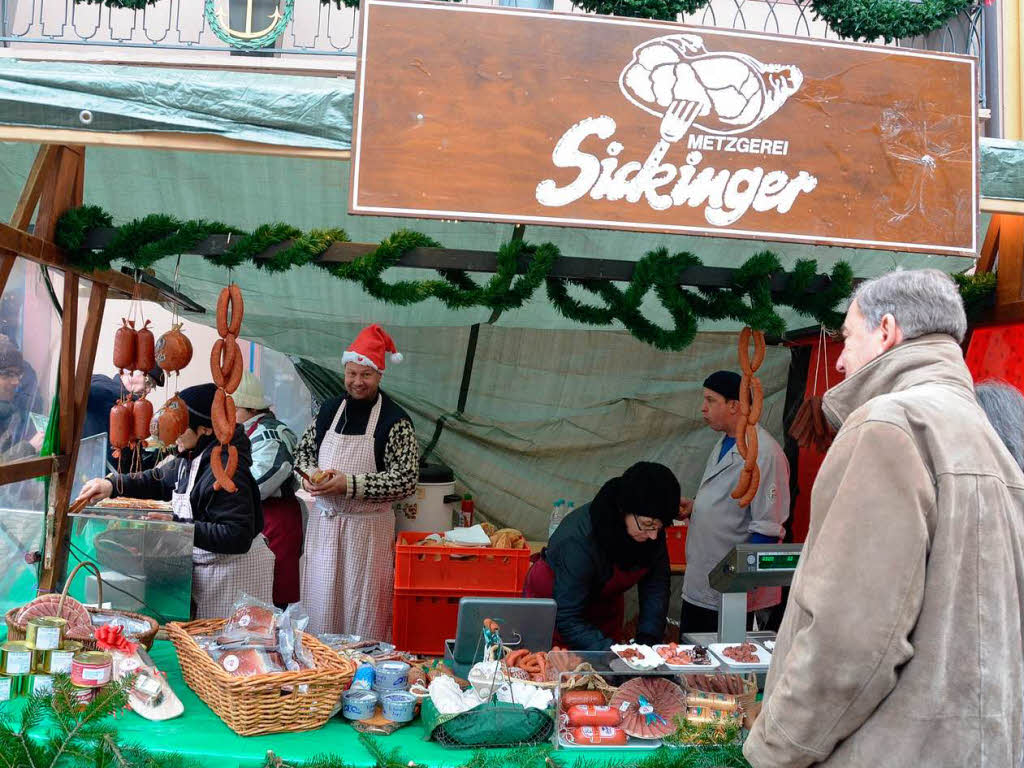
<point x="507" y="115"/>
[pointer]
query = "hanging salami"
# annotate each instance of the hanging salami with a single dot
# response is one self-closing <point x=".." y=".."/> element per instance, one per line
<point x="125" y="346"/>
<point x="173" y="350"/>
<point x="145" y="349"/>
<point x="226" y="369"/>
<point x="751" y="406"/>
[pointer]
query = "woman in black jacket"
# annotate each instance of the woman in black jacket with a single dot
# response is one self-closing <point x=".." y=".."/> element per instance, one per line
<point x="230" y="555"/>
<point x="602" y="550"/>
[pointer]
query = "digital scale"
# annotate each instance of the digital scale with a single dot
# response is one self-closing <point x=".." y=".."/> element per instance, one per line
<point x="746" y="567"/>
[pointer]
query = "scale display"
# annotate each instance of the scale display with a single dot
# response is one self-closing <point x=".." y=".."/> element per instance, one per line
<point x="777" y="561"/>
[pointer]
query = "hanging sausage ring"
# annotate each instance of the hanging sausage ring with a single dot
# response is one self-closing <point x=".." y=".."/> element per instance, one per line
<point x="751" y="406"/>
<point x="226" y="370"/>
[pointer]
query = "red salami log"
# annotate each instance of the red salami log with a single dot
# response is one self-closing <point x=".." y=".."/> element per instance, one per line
<point x="589" y="714"/>
<point x="125" y="340"/>
<point x="605" y="736"/>
<point x="142" y="415"/>
<point x="120" y="432"/>
<point x="145" y="349"/>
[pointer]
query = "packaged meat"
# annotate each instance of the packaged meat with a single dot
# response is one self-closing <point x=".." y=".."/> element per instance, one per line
<point x="605" y="735"/>
<point x="590" y="714"/>
<point x="252" y="622"/>
<point x="245" y="662"/>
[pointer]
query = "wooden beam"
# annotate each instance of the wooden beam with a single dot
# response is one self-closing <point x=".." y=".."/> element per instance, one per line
<point x="42" y="168"/>
<point x="33" y="466"/>
<point x="57" y="194"/>
<point x="68" y="343"/>
<point x="187" y="142"/>
<point x="990" y="247"/>
<point x="18" y="243"/>
<point x="1010" y="265"/>
<point x="568" y="268"/>
<point x="1002" y="205"/>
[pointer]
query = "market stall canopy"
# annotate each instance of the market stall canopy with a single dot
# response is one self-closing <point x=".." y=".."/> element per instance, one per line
<point x="273" y="110"/>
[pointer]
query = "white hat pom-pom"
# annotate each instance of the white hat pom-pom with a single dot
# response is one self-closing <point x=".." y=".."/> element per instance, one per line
<point x="396" y="357"/>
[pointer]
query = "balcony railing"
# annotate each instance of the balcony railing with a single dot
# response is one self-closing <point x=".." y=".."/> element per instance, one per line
<point x="317" y="29"/>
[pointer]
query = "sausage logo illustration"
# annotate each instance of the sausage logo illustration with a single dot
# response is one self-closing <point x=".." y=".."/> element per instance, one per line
<point x="730" y="92"/>
<point x="719" y="94"/>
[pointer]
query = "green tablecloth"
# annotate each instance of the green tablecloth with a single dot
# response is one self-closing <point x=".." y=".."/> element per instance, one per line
<point x="200" y="734"/>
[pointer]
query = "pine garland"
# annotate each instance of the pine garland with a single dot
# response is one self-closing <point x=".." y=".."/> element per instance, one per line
<point x="749" y="300"/>
<point x="977" y="291"/>
<point x="888" y="19"/>
<point x="131" y="5"/>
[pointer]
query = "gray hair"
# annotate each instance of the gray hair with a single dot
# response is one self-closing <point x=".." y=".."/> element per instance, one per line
<point x="1004" y="406"/>
<point x="923" y="301"/>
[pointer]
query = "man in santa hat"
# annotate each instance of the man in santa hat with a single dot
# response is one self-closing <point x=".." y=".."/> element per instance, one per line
<point x="361" y="455"/>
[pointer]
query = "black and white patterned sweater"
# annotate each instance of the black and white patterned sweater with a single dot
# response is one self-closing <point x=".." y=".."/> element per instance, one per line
<point x="394" y="441"/>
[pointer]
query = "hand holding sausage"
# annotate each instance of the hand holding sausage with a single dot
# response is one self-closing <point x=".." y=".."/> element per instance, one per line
<point x="334" y="485"/>
<point x="97" y="489"/>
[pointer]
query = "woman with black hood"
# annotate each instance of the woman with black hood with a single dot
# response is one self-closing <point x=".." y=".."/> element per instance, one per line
<point x="229" y="554"/>
<point x="602" y="550"/>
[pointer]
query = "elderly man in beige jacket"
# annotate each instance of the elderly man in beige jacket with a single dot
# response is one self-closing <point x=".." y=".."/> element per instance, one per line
<point x="902" y="640"/>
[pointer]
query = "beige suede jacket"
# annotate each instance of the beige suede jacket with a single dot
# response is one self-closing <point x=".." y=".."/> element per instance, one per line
<point x="902" y="640"/>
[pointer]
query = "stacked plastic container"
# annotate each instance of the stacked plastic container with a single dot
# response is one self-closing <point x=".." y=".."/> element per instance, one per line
<point x="430" y="581"/>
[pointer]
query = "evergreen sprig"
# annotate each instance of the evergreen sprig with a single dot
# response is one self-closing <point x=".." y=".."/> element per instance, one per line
<point x="74" y="737"/>
<point x="666" y="10"/>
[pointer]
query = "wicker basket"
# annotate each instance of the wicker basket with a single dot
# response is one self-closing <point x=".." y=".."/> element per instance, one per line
<point x="280" y="702"/>
<point x="16" y="631"/>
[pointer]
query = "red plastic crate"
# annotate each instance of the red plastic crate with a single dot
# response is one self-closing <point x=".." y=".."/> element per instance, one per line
<point x="458" y="568"/>
<point x="423" y="620"/>
<point x="675" y="537"/>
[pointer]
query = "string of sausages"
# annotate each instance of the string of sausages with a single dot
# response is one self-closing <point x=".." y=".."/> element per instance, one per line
<point x="129" y="419"/>
<point x="226" y="369"/>
<point x="751" y="404"/>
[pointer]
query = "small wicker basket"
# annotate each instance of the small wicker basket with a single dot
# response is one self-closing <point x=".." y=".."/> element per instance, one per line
<point x="16" y="630"/>
<point x="280" y="702"/>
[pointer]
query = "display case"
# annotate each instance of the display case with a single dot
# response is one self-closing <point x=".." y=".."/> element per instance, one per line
<point x="606" y="702"/>
<point x="145" y="563"/>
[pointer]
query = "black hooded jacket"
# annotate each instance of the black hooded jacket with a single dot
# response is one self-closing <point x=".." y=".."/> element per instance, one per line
<point x="583" y="553"/>
<point x="225" y="523"/>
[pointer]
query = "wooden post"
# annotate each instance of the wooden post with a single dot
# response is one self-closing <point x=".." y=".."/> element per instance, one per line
<point x="62" y="190"/>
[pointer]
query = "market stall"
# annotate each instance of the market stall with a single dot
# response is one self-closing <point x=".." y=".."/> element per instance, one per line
<point x="253" y="681"/>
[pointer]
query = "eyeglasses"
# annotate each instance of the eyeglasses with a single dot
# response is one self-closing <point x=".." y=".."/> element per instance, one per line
<point x="650" y="527"/>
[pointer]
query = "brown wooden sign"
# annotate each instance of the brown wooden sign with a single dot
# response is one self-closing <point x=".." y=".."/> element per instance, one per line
<point x="506" y="115"/>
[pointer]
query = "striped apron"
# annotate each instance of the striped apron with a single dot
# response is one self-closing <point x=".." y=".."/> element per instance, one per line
<point x="348" y="583"/>
<point x="219" y="580"/>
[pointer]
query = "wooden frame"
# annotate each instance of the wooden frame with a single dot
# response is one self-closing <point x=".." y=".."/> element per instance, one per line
<point x="56" y="183"/>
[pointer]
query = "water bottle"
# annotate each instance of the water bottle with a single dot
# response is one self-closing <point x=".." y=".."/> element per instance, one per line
<point x="557" y="513"/>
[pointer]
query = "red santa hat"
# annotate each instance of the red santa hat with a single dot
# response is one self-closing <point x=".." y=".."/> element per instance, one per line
<point x="369" y="348"/>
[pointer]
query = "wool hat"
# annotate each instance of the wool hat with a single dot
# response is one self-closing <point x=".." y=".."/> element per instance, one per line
<point x="199" y="400"/>
<point x="370" y="347"/>
<point x="725" y="383"/>
<point x="649" y="489"/>
<point x="10" y="357"/>
<point x="250" y="393"/>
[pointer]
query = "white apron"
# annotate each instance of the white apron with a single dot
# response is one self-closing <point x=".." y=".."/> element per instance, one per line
<point x="348" y="582"/>
<point x="219" y="580"/>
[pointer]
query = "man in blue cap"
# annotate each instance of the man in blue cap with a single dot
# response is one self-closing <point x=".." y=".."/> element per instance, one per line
<point x="717" y="521"/>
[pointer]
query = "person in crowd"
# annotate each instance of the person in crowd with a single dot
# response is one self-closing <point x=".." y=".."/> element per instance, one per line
<point x="360" y="455"/>
<point x="19" y="437"/>
<point x="901" y="642"/>
<point x="601" y="551"/>
<point x="230" y="556"/>
<point x="1004" y="406"/>
<point x="273" y="451"/>
<point x="717" y="521"/>
<point x="104" y="392"/>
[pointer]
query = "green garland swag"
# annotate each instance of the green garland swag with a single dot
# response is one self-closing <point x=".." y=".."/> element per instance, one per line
<point x="888" y="19"/>
<point x="749" y="300"/>
<point x="665" y="10"/>
<point x="131" y="5"/>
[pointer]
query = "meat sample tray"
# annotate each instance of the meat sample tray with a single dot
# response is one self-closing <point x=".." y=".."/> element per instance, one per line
<point x="763" y="657"/>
